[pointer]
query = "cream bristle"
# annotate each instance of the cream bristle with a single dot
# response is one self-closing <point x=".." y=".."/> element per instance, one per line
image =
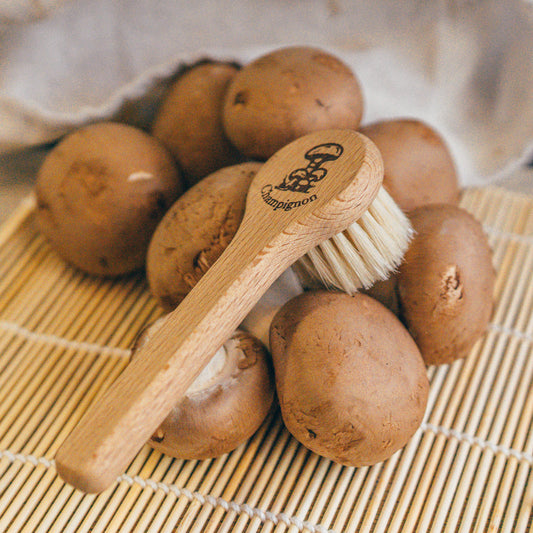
<point x="368" y="251"/>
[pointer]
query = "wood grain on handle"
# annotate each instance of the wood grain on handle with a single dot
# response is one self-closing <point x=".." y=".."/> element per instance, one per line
<point x="270" y="238"/>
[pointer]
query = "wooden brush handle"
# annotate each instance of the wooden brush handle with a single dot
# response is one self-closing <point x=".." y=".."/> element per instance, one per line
<point x="269" y="240"/>
<point x="110" y="435"/>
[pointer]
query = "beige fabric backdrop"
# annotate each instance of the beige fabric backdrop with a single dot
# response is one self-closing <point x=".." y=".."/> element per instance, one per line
<point x="464" y="66"/>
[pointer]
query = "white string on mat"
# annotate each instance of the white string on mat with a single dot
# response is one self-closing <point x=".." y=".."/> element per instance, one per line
<point x="62" y="342"/>
<point x="511" y="332"/>
<point x="240" y="508"/>
<point x="120" y="352"/>
<point x="215" y="501"/>
<point x="527" y="239"/>
<point x="26" y="458"/>
<point x="254" y="512"/>
<point x="476" y="441"/>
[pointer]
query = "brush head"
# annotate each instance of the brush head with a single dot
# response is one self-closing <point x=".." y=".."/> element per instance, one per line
<point x="366" y="252"/>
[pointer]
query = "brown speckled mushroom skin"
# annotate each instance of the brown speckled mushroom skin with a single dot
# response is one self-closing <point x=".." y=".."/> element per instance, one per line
<point x="419" y="168"/>
<point x="446" y="282"/>
<point x="287" y="93"/>
<point x="101" y="193"/>
<point x="351" y="383"/>
<point x="189" y="120"/>
<point x="385" y="292"/>
<point x="209" y="422"/>
<point x="232" y="413"/>
<point x="195" y="231"/>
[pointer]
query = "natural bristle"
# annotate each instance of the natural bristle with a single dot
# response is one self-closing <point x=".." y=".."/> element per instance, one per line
<point x="368" y="251"/>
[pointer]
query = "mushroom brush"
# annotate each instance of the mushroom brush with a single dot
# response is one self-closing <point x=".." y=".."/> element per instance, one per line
<point x="281" y="223"/>
<point x="368" y="250"/>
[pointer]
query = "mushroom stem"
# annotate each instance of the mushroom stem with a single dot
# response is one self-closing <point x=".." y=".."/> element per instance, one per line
<point x="258" y="320"/>
<point x="211" y="372"/>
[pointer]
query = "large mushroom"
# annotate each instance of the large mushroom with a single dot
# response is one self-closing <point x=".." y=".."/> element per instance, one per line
<point x="419" y="167"/>
<point x="189" y="120"/>
<point x="287" y="93"/>
<point x="195" y="231"/>
<point x="101" y="192"/>
<point x="351" y="383"/>
<point x="446" y="282"/>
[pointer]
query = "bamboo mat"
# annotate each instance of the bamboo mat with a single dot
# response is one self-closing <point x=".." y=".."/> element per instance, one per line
<point x="64" y="337"/>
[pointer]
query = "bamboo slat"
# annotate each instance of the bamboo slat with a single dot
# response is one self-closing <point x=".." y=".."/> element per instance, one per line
<point x="65" y="336"/>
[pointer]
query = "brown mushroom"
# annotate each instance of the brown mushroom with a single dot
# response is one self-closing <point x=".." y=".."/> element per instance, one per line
<point x="100" y="194"/>
<point x="351" y="383"/>
<point x="446" y="282"/>
<point x="224" y="406"/>
<point x="287" y="93"/>
<point x="195" y="232"/>
<point x="419" y="168"/>
<point x="189" y="120"/>
<point x="385" y="292"/>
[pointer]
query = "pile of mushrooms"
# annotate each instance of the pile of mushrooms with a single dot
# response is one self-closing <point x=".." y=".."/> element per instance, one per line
<point x="348" y="371"/>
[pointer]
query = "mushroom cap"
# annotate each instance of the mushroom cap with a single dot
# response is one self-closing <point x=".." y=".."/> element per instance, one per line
<point x="189" y="120"/>
<point x="224" y="406"/>
<point x="351" y="383"/>
<point x="419" y="168"/>
<point x="446" y="282"/>
<point x="195" y="231"/>
<point x="101" y="193"/>
<point x="287" y="93"/>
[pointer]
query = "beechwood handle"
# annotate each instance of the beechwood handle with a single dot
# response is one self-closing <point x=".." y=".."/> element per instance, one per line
<point x="107" y="438"/>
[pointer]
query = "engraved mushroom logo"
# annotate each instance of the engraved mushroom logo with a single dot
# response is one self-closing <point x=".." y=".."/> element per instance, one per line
<point x="303" y="179"/>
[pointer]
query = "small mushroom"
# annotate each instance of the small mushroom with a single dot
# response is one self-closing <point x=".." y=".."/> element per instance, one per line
<point x="287" y="93"/>
<point x="224" y="406"/>
<point x="419" y="168"/>
<point x="189" y="120"/>
<point x="351" y="383"/>
<point x="101" y="193"/>
<point x="446" y="282"/>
